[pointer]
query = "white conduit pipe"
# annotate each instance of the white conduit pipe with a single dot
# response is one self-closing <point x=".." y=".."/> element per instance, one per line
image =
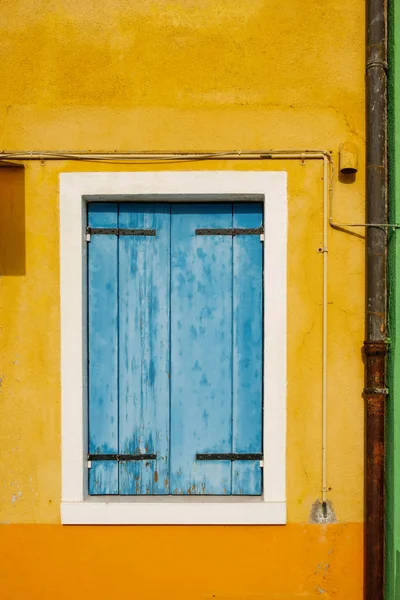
<point x="159" y="157"/>
<point x="142" y="156"/>
<point x="325" y="330"/>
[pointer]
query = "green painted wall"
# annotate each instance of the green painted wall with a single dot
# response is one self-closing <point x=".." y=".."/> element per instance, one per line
<point x="393" y="406"/>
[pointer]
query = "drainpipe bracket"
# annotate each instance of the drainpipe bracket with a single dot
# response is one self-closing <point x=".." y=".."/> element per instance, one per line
<point x="375" y="391"/>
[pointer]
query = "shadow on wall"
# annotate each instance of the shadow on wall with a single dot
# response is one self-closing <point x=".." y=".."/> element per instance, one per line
<point x="347" y="178"/>
<point x="12" y="221"/>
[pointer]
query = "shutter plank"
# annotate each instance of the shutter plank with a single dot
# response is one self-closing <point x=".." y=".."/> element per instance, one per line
<point x="103" y="349"/>
<point x="103" y="478"/>
<point x="144" y="348"/>
<point x="247" y="349"/>
<point x="201" y="349"/>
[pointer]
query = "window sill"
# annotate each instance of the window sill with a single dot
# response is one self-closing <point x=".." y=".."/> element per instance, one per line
<point x="210" y="511"/>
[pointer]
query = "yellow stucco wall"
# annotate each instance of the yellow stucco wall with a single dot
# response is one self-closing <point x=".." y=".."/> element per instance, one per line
<point x="185" y="75"/>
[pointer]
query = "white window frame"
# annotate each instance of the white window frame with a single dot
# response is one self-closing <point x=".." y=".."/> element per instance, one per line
<point x="77" y="507"/>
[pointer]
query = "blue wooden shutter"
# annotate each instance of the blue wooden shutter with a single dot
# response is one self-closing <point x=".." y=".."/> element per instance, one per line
<point x="216" y="349"/>
<point x="129" y="360"/>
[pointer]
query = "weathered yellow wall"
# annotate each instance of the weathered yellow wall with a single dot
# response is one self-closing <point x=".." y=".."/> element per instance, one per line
<point x="183" y="75"/>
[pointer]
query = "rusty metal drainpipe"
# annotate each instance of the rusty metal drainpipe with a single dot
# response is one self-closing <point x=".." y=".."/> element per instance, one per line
<point x="375" y="346"/>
